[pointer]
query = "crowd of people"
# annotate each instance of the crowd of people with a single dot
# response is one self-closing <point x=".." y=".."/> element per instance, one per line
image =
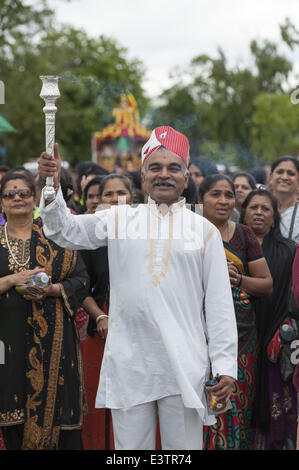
<point x="129" y="328"/>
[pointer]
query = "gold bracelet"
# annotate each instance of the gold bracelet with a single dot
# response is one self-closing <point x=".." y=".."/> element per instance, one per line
<point x="99" y="317"/>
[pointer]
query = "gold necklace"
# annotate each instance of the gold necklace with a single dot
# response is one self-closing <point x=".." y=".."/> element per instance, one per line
<point x="227" y="228"/>
<point x="227" y="232"/>
<point x="10" y="250"/>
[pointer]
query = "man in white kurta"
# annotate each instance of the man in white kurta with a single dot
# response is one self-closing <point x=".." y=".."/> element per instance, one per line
<point x="166" y="267"/>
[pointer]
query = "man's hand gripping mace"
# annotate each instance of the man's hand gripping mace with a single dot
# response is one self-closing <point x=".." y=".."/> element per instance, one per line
<point x="50" y="93"/>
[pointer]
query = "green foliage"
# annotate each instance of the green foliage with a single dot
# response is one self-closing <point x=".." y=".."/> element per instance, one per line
<point x="217" y="106"/>
<point x="179" y="110"/>
<point x="273" y="69"/>
<point x="289" y="34"/>
<point x="275" y="126"/>
<point x="228" y="155"/>
<point x="236" y="115"/>
<point x="19" y="20"/>
<point x="94" y="72"/>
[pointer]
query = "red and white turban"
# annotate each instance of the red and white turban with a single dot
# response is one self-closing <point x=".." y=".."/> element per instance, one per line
<point x="170" y="139"/>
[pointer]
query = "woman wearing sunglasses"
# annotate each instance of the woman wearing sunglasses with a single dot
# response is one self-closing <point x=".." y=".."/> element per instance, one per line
<point x="42" y="362"/>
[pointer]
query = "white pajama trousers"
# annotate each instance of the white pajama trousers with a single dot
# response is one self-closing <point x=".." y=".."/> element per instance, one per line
<point x="135" y="428"/>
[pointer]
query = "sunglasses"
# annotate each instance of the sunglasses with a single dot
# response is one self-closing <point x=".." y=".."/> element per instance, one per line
<point x="22" y="193"/>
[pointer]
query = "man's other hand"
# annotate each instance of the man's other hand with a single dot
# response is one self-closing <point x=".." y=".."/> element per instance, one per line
<point x="223" y="389"/>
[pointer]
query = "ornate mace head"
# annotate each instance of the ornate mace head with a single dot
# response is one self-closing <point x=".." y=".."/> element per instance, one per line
<point x="50" y="93"/>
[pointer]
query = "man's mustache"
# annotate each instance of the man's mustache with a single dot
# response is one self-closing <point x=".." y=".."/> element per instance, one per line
<point x="167" y="181"/>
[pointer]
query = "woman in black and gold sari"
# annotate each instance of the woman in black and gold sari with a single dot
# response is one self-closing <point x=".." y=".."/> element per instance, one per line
<point x="41" y="382"/>
<point x="249" y="276"/>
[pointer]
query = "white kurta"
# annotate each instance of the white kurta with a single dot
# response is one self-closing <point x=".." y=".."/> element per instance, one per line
<point x="162" y="270"/>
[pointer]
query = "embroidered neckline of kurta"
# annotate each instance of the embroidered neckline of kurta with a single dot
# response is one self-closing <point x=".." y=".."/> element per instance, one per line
<point x="172" y="209"/>
<point x="20" y="249"/>
<point x="154" y="240"/>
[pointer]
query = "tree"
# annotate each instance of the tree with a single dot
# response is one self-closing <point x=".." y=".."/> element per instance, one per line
<point x="275" y="126"/>
<point x="19" y="20"/>
<point x="272" y="68"/>
<point x="178" y="111"/>
<point x="19" y="24"/>
<point x="289" y="34"/>
<point x="94" y="73"/>
<point x="215" y="104"/>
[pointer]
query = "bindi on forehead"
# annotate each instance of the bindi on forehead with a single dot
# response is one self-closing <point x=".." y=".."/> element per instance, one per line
<point x="16" y="184"/>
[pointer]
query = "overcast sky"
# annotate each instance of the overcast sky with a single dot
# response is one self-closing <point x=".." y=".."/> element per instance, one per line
<point x="165" y="34"/>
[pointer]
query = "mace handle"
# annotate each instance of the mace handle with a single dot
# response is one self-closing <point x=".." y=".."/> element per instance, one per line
<point x="50" y="93"/>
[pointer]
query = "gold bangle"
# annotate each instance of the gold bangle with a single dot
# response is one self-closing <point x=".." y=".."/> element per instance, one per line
<point x="100" y="317"/>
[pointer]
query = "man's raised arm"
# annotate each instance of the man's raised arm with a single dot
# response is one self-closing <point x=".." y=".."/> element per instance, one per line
<point x="60" y="225"/>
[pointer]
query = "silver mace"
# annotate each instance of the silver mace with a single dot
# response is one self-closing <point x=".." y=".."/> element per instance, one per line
<point x="50" y="93"/>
